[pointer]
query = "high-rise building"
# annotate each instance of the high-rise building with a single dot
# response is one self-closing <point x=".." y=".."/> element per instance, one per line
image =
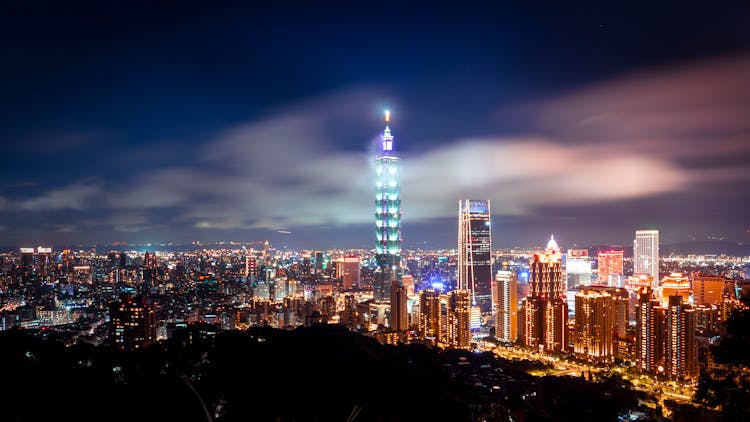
<point x="556" y="325"/>
<point x="621" y="298"/>
<point x="532" y="322"/>
<point x="545" y="273"/>
<point x="707" y="290"/>
<point x="429" y="314"/>
<point x="506" y="303"/>
<point x="251" y="268"/>
<point x="475" y="251"/>
<point x="459" y="314"/>
<point x="545" y="310"/>
<point x="399" y="312"/>
<point x="646" y="254"/>
<point x="348" y="270"/>
<point x="27" y="258"/>
<point x="132" y="323"/>
<point x="649" y="348"/>
<point x="681" y="355"/>
<point x="610" y="263"/>
<point x="577" y="268"/>
<point x="594" y="325"/>
<point x="387" y="216"/>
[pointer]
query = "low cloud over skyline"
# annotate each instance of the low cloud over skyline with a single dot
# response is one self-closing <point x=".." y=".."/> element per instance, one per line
<point x="678" y="133"/>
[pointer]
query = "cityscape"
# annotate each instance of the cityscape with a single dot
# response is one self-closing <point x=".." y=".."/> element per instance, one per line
<point x="262" y="271"/>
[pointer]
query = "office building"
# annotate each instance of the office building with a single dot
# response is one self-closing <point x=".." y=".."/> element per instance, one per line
<point x="387" y="216"/>
<point x="399" y="314"/>
<point x="577" y="268"/>
<point x="610" y="263"/>
<point x="475" y="252"/>
<point x="707" y="290"/>
<point x="506" y="303"/>
<point x="594" y="325"/>
<point x="646" y="254"/>
<point x="348" y="270"/>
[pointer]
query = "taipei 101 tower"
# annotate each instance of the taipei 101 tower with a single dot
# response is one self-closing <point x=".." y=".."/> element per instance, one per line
<point x="387" y="222"/>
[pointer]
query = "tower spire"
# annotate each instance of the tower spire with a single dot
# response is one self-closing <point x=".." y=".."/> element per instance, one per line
<point x="387" y="139"/>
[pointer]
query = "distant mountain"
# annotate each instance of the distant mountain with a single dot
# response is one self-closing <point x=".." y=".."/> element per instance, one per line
<point x="701" y="247"/>
<point x="695" y="247"/>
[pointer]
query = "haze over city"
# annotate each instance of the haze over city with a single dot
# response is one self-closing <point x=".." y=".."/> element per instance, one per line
<point x="151" y="123"/>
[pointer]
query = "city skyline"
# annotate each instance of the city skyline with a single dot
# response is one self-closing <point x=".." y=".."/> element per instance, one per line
<point x="244" y="134"/>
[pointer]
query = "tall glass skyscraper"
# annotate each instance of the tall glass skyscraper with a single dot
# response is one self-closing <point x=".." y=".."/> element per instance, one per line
<point x="646" y="254"/>
<point x="387" y="217"/>
<point x="475" y="251"/>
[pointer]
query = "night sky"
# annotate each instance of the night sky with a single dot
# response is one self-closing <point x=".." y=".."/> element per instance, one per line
<point x="129" y="121"/>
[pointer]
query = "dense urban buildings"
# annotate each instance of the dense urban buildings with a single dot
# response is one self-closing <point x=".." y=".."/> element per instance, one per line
<point x="129" y="300"/>
<point x="475" y="251"/>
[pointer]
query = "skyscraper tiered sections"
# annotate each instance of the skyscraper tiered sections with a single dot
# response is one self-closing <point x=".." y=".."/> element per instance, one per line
<point x="387" y="217"/>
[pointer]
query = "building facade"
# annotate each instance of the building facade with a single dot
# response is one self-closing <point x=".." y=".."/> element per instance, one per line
<point x="545" y="309"/>
<point x="646" y="254"/>
<point x="506" y="303"/>
<point x="132" y="323"/>
<point x="609" y="263"/>
<point x="594" y="325"/>
<point x="475" y="251"/>
<point x="387" y="217"/>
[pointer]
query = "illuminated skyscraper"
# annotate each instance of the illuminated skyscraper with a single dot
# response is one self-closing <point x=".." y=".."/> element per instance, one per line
<point x="429" y="314"/>
<point x="681" y="356"/>
<point x="132" y="323"/>
<point x="387" y="217"/>
<point x="545" y="310"/>
<point x="649" y="340"/>
<point x="459" y="314"/>
<point x="577" y="268"/>
<point x="545" y="273"/>
<point x="475" y="251"/>
<point x="610" y="262"/>
<point x="646" y="254"/>
<point x="506" y="321"/>
<point x="399" y="313"/>
<point x="594" y="325"/>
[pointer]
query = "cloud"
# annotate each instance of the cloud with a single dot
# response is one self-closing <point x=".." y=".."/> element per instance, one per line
<point x="645" y="135"/>
<point x="692" y="111"/>
<point x="77" y="196"/>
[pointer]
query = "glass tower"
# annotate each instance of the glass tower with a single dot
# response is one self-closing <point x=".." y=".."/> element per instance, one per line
<point x="475" y="251"/>
<point x="387" y="217"/>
